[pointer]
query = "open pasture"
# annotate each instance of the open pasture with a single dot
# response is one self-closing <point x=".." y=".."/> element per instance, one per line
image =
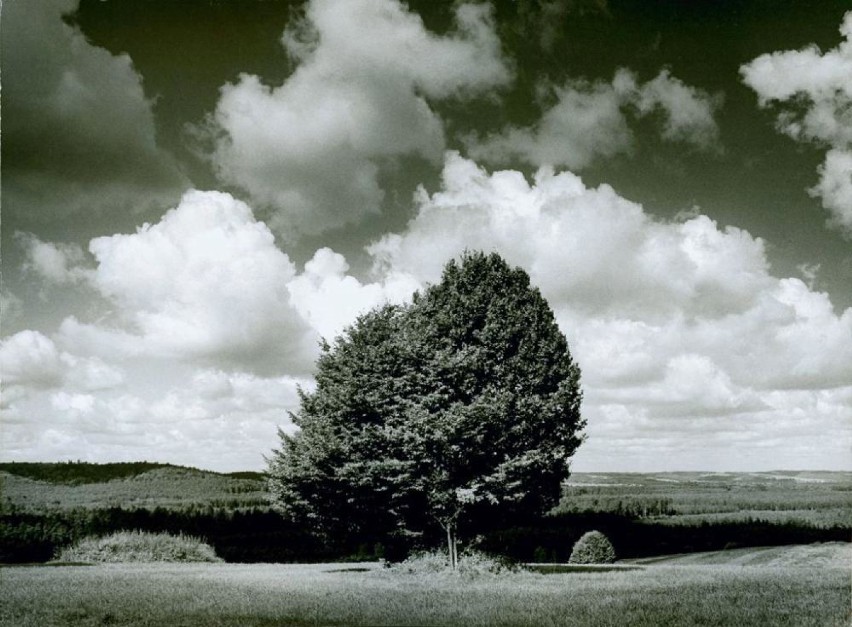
<point x="798" y="586"/>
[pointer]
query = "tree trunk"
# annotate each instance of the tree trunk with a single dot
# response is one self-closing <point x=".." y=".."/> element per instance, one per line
<point x="451" y="545"/>
<point x="455" y="549"/>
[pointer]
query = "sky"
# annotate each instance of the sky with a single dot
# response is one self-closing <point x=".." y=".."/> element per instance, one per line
<point x="196" y="193"/>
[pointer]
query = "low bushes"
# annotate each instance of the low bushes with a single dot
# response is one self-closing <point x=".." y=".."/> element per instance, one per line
<point x="593" y="547"/>
<point x="139" y="546"/>
<point x="472" y="564"/>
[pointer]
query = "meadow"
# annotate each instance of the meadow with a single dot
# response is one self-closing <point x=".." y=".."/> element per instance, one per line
<point x="793" y="586"/>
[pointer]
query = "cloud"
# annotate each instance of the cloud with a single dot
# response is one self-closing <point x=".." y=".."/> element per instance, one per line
<point x="812" y="93"/>
<point x="678" y="326"/>
<point x="329" y="299"/>
<point x="692" y="352"/>
<point x="59" y="263"/>
<point x="29" y="358"/>
<point x="213" y="419"/>
<point x="78" y="131"/>
<point x="30" y="362"/>
<point x="11" y="305"/>
<point x="312" y="148"/>
<point x="205" y="284"/>
<point x="589" y="121"/>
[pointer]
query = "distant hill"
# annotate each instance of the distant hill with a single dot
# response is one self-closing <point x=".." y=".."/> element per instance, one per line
<point x="36" y="487"/>
<point x="76" y="473"/>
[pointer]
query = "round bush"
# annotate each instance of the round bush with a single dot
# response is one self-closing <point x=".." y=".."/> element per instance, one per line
<point x="593" y="548"/>
<point x="139" y="546"/>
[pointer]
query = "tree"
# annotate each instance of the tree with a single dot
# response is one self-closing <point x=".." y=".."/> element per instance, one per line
<point x="466" y="401"/>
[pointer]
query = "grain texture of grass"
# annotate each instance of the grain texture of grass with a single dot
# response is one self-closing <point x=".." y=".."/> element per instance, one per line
<point x="364" y="594"/>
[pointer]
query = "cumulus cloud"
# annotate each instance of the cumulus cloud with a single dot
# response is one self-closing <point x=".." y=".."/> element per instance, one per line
<point x="329" y="299"/>
<point x="60" y="263"/>
<point x="675" y="324"/>
<point x="690" y="348"/>
<point x="312" y="148"/>
<point x="589" y="121"/>
<point x="812" y="93"/>
<point x="78" y="132"/>
<point x="205" y="283"/>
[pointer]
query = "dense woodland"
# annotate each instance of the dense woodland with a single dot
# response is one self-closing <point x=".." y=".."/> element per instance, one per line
<point x="643" y="515"/>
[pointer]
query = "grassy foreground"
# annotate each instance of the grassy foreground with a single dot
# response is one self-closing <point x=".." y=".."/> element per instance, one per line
<point x="366" y="594"/>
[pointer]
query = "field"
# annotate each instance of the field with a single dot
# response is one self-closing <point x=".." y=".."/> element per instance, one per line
<point x="795" y="586"/>
<point x="820" y="499"/>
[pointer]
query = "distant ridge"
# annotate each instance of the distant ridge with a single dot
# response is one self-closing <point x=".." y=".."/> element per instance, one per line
<point x="81" y="473"/>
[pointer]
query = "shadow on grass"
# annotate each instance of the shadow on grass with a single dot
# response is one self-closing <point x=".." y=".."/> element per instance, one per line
<point x="349" y="570"/>
<point x="556" y="569"/>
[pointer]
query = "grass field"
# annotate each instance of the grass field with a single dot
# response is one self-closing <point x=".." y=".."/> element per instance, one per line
<point x="792" y="586"/>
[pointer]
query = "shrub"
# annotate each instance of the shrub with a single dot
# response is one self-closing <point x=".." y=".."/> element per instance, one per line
<point x="139" y="546"/>
<point x="592" y="548"/>
<point x="472" y="564"/>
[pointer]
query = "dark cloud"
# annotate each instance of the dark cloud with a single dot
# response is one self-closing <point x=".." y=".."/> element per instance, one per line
<point x="78" y="131"/>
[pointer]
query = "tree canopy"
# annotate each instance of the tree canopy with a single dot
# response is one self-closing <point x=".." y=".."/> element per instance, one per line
<point x="466" y="400"/>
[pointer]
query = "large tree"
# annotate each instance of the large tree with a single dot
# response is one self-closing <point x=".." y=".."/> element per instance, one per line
<point x="467" y="400"/>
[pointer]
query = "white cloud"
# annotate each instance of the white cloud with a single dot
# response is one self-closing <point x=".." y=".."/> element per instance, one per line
<point x="61" y="263"/>
<point x="822" y="82"/>
<point x="228" y="430"/>
<point x="692" y="352"/>
<point x="312" y="148"/>
<point x="680" y="329"/>
<point x="206" y="283"/>
<point x="835" y="187"/>
<point x="91" y="374"/>
<point x="589" y="121"/>
<point x="89" y="107"/>
<point x="30" y="362"/>
<point x="329" y="299"/>
<point x="29" y="358"/>
<point x="73" y="403"/>
<point x="688" y="111"/>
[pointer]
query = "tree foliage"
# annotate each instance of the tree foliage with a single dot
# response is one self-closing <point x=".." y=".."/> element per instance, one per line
<point x="465" y="401"/>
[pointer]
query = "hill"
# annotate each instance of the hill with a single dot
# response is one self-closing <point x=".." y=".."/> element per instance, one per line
<point x="33" y="487"/>
<point x="820" y="498"/>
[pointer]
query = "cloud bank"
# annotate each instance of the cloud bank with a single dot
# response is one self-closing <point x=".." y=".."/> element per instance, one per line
<point x="693" y="354"/>
<point x="812" y="92"/>
<point x="685" y="338"/>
